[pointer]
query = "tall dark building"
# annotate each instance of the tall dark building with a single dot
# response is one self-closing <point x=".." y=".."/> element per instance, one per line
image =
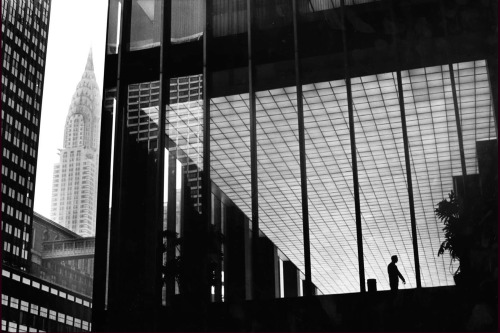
<point x="25" y="26"/>
<point x="309" y="141"/>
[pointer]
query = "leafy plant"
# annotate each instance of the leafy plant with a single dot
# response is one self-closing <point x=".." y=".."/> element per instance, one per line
<point x="450" y="213"/>
<point x="470" y="233"/>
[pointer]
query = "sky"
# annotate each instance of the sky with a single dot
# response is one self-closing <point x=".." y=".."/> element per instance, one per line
<point x="75" y="27"/>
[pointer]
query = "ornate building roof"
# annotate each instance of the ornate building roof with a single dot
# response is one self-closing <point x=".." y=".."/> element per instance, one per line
<point x="85" y="105"/>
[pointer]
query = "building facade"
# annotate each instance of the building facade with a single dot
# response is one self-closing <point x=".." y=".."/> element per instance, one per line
<point x="323" y="137"/>
<point x="61" y="256"/>
<point x="31" y="304"/>
<point x="74" y="185"/>
<point x="55" y="296"/>
<point x="24" y="49"/>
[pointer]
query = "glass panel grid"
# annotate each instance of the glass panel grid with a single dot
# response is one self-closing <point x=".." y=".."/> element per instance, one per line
<point x="434" y="159"/>
<point x="230" y="148"/>
<point x="184" y="129"/>
<point x="434" y="148"/>
<point x="278" y="171"/>
<point x="331" y="199"/>
<point x="384" y="202"/>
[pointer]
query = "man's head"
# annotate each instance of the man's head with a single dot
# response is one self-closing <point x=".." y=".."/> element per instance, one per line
<point x="394" y="259"/>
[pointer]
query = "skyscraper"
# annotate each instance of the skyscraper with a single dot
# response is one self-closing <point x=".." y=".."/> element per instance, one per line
<point x="74" y="187"/>
<point x="24" y="43"/>
<point x="327" y="132"/>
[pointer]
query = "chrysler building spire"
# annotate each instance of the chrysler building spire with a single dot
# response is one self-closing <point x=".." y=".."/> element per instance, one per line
<point x="74" y="186"/>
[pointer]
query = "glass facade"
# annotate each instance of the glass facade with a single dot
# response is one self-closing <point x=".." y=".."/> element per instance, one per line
<point x="301" y="142"/>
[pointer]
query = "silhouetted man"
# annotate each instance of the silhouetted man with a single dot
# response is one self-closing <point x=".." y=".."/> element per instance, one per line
<point x="394" y="274"/>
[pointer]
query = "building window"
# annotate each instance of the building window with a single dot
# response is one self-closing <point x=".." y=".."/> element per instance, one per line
<point x="34" y="309"/>
<point x="24" y="306"/>
<point x="13" y="327"/>
<point x="52" y="314"/>
<point x="14" y="303"/>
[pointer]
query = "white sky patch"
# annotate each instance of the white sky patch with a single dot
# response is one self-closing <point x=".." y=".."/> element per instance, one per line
<point x="75" y="27"/>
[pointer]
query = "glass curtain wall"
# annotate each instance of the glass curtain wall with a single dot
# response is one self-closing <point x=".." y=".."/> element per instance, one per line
<point x="230" y="151"/>
<point x="277" y="137"/>
<point x="434" y="147"/>
<point x="435" y="154"/>
<point x="146" y="24"/>
<point x="384" y="199"/>
<point x="134" y="187"/>
<point x="330" y="181"/>
<point x="184" y="129"/>
<point x="182" y="186"/>
<point x="114" y="26"/>
<point x="105" y="182"/>
<point x="187" y="21"/>
<point x="183" y="165"/>
<point x="433" y="136"/>
<point x="229" y="133"/>
<point x="280" y="209"/>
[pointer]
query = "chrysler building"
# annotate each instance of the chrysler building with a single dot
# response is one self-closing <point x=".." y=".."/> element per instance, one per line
<point x="74" y="186"/>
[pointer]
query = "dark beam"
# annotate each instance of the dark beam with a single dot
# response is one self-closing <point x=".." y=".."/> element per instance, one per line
<point x="409" y="181"/>
<point x="253" y="149"/>
<point x="492" y="64"/>
<point x="206" y="180"/>
<point x="302" y="148"/>
<point x="459" y="128"/>
<point x="118" y="153"/>
<point x="353" y="156"/>
<point x="166" y="9"/>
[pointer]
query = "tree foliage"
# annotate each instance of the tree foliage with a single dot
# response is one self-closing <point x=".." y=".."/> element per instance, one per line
<point x="470" y="233"/>
<point x="449" y="212"/>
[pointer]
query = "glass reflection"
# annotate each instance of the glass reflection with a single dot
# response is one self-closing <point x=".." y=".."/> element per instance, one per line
<point x="188" y="20"/>
<point x="114" y="26"/>
<point x="184" y="128"/>
<point x="146" y="24"/>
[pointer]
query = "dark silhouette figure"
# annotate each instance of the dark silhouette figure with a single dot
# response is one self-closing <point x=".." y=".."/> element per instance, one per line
<point x="394" y="274"/>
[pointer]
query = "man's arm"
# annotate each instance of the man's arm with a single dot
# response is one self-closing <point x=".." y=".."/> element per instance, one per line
<point x="401" y="276"/>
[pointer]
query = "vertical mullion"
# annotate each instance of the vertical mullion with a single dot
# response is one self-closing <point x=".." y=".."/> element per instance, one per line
<point x="206" y="181"/>
<point x="409" y="180"/>
<point x="356" y="188"/>
<point x="101" y="264"/>
<point x="353" y="155"/>
<point x="160" y="149"/>
<point x="119" y="149"/>
<point x="303" y="170"/>
<point x="459" y="128"/>
<point x="171" y="219"/>
<point x="253" y="149"/>
<point x="492" y="67"/>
